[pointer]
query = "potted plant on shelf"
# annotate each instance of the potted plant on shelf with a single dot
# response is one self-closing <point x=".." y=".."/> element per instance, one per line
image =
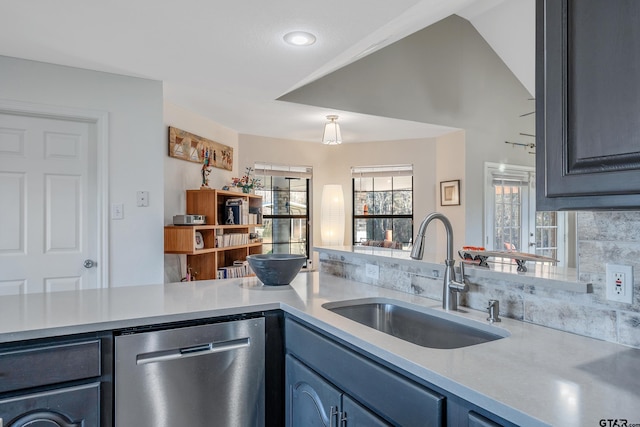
<point x="247" y="183"/>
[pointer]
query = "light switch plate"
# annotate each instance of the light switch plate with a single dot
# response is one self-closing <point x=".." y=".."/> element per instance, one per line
<point x="117" y="211"/>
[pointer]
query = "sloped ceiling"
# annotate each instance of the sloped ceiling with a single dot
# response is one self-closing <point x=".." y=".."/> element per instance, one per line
<point x="509" y="28"/>
<point x="445" y="74"/>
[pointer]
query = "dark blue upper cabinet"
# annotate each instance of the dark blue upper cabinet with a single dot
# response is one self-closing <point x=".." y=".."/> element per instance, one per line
<point x="588" y="104"/>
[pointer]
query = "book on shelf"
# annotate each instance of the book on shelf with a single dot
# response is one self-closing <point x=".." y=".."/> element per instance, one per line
<point x="257" y="219"/>
<point x="236" y="211"/>
<point x="237" y="270"/>
<point x="232" y="215"/>
<point x="224" y="240"/>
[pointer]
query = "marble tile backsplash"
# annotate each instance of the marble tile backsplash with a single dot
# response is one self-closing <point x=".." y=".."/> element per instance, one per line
<point x="611" y="237"/>
<point x="603" y="237"/>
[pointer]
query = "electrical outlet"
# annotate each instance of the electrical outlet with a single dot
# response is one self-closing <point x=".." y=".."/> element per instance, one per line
<point x="619" y="283"/>
<point x="619" y="279"/>
<point x="372" y="271"/>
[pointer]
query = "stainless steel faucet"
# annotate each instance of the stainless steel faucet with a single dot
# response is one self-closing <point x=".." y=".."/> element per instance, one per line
<point x="450" y="286"/>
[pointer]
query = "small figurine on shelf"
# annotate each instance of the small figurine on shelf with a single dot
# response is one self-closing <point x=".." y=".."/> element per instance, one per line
<point x="230" y="217"/>
<point x="206" y="170"/>
<point x="247" y="183"/>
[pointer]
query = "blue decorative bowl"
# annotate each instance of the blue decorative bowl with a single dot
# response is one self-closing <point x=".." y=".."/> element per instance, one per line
<point x="276" y="269"/>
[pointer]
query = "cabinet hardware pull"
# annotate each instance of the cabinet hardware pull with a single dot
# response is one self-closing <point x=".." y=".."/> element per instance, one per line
<point x="197" y="350"/>
<point x="333" y="412"/>
<point x="343" y="419"/>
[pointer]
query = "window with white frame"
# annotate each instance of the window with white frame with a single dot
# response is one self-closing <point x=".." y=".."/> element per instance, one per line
<point x="383" y="203"/>
<point x="511" y="220"/>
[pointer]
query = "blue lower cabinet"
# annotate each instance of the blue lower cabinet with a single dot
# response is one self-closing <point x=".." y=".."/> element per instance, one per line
<point x="56" y="382"/>
<point x="76" y="406"/>
<point x="331" y="384"/>
<point x="372" y="394"/>
<point x="312" y="401"/>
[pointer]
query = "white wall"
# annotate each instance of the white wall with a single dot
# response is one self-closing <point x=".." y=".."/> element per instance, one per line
<point x="451" y="165"/>
<point x="136" y="146"/>
<point x="181" y="175"/>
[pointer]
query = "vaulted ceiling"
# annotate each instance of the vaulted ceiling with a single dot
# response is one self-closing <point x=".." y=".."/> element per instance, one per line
<point x="227" y="60"/>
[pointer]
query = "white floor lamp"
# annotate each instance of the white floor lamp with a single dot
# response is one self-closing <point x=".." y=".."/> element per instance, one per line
<point x="332" y="215"/>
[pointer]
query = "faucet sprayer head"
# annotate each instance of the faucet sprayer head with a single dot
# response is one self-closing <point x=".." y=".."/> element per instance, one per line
<point x="417" y="252"/>
<point x="418" y="248"/>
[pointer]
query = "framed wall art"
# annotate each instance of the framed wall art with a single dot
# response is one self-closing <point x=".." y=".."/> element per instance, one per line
<point x="193" y="148"/>
<point x="450" y="193"/>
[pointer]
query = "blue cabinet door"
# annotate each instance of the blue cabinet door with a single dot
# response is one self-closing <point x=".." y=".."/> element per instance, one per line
<point x="311" y="401"/>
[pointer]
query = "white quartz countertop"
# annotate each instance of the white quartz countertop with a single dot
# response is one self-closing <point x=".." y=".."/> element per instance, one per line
<point x="536" y="376"/>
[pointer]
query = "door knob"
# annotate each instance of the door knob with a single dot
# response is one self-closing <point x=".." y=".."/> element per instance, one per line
<point x="88" y="263"/>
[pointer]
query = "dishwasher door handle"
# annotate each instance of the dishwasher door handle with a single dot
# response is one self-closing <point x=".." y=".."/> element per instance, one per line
<point x="197" y="350"/>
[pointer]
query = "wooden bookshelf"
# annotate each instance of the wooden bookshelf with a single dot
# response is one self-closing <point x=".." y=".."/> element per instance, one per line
<point x="204" y="262"/>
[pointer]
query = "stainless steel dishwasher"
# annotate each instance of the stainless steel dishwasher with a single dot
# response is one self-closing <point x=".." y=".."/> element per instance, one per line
<point x="197" y="376"/>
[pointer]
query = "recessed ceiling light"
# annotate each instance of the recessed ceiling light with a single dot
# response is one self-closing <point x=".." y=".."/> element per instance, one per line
<point x="300" y="38"/>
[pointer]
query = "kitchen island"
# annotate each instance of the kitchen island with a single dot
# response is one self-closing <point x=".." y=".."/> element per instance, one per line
<point x="535" y="376"/>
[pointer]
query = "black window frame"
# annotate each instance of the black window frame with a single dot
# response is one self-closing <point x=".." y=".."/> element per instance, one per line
<point x="289" y="216"/>
<point x="355" y="217"/>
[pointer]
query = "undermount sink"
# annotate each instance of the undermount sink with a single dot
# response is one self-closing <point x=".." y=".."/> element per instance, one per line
<point x="422" y="326"/>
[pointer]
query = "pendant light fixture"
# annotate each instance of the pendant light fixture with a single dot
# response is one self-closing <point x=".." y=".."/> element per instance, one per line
<point x="332" y="135"/>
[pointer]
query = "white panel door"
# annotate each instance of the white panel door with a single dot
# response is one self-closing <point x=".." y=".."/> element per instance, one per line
<point x="48" y="215"/>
